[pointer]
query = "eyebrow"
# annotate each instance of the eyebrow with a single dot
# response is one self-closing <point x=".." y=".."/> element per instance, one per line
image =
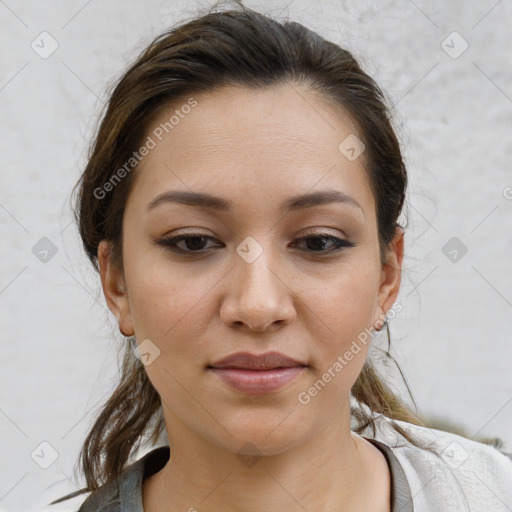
<point x="294" y="203"/>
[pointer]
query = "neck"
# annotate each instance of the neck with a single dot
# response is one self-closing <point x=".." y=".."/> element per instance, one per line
<point x="335" y="470"/>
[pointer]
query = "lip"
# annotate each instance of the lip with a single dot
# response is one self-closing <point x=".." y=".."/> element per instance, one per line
<point x="258" y="382"/>
<point x="248" y="361"/>
<point x="258" y="374"/>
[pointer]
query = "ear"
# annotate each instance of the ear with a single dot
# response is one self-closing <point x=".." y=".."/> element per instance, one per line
<point x="114" y="289"/>
<point x="390" y="278"/>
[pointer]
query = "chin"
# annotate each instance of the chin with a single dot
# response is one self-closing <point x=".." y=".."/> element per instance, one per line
<point x="260" y="435"/>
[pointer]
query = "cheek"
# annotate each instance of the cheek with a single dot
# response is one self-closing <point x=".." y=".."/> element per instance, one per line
<point x="173" y="311"/>
<point x="160" y="293"/>
<point x="345" y="304"/>
<point x="171" y="307"/>
<point x="342" y="316"/>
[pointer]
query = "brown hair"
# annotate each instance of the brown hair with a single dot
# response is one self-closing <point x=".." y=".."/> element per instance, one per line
<point x="232" y="47"/>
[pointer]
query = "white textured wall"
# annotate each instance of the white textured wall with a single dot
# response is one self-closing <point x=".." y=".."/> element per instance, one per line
<point x="453" y="337"/>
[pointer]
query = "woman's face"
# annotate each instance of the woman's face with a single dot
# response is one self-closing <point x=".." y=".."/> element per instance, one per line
<point x="257" y="276"/>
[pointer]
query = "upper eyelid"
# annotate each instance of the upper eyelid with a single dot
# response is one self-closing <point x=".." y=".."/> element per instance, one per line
<point x="193" y="234"/>
<point x="313" y="230"/>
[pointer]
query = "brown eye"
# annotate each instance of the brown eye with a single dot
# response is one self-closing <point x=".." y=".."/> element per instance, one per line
<point x="317" y="243"/>
<point x="193" y="243"/>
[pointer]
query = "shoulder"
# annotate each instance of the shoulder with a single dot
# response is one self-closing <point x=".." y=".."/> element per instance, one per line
<point x="458" y="474"/>
<point x="113" y="496"/>
<point x="104" y="499"/>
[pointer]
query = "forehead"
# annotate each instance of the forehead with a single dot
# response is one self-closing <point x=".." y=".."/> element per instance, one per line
<point x="261" y="144"/>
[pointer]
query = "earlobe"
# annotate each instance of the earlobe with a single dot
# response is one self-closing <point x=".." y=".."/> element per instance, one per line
<point x="114" y="289"/>
<point x="390" y="278"/>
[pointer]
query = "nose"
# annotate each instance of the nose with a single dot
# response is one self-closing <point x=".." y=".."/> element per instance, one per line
<point x="257" y="296"/>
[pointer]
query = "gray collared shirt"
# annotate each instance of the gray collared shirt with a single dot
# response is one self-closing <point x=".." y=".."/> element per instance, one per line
<point x="125" y="493"/>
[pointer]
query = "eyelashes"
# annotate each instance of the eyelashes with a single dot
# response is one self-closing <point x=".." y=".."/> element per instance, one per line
<point x="194" y="244"/>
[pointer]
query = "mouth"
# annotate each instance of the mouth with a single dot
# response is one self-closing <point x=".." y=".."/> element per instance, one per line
<point x="258" y="374"/>
<point x="266" y="361"/>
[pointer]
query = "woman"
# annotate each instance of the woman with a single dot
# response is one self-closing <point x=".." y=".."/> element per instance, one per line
<point x="241" y="205"/>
